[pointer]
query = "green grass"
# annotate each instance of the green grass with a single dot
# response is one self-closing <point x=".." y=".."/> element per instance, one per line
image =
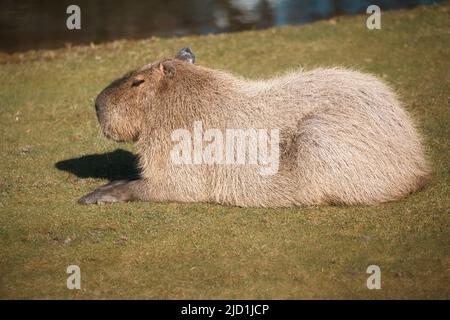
<point x="171" y="250"/>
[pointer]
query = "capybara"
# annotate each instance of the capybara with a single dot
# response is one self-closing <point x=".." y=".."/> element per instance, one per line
<point x="341" y="137"/>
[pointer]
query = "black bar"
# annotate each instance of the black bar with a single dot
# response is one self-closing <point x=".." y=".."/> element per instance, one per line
<point x="222" y="309"/>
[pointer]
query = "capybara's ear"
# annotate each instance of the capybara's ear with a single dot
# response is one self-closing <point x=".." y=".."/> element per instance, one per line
<point x="186" y="54"/>
<point x="168" y="68"/>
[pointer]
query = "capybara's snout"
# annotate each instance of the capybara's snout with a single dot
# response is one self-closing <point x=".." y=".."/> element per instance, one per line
<point x="100" y="105"/>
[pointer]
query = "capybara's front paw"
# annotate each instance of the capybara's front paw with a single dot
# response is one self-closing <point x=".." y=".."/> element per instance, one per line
<point x="109" y="193"/>
<point x="98" y="197"/>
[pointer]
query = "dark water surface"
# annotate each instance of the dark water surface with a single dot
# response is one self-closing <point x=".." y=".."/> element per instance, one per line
<point x="35" y="24"/>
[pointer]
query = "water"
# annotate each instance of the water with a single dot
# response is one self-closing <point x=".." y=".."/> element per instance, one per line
<point x="28" y="24"/>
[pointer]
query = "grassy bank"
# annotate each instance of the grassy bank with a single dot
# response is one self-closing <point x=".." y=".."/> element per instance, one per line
<point x="52" y="153"/>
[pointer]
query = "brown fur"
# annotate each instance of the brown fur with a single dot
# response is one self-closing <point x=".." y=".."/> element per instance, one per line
<point x="344" y="137"/>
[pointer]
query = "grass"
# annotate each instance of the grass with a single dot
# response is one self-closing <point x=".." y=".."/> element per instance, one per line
<point x="52" y="153"/>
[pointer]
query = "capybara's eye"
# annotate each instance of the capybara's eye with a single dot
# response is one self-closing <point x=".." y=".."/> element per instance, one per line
<point x="137" y="82"/>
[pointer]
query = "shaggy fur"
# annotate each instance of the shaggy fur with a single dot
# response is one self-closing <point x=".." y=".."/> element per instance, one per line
<point x="344" y="137"/>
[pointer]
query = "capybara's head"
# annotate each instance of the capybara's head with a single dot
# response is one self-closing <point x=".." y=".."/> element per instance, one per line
<point x="123" y="106"/>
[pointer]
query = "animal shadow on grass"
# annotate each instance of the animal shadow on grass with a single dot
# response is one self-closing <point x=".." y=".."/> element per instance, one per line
<point x="116" y="165"/>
